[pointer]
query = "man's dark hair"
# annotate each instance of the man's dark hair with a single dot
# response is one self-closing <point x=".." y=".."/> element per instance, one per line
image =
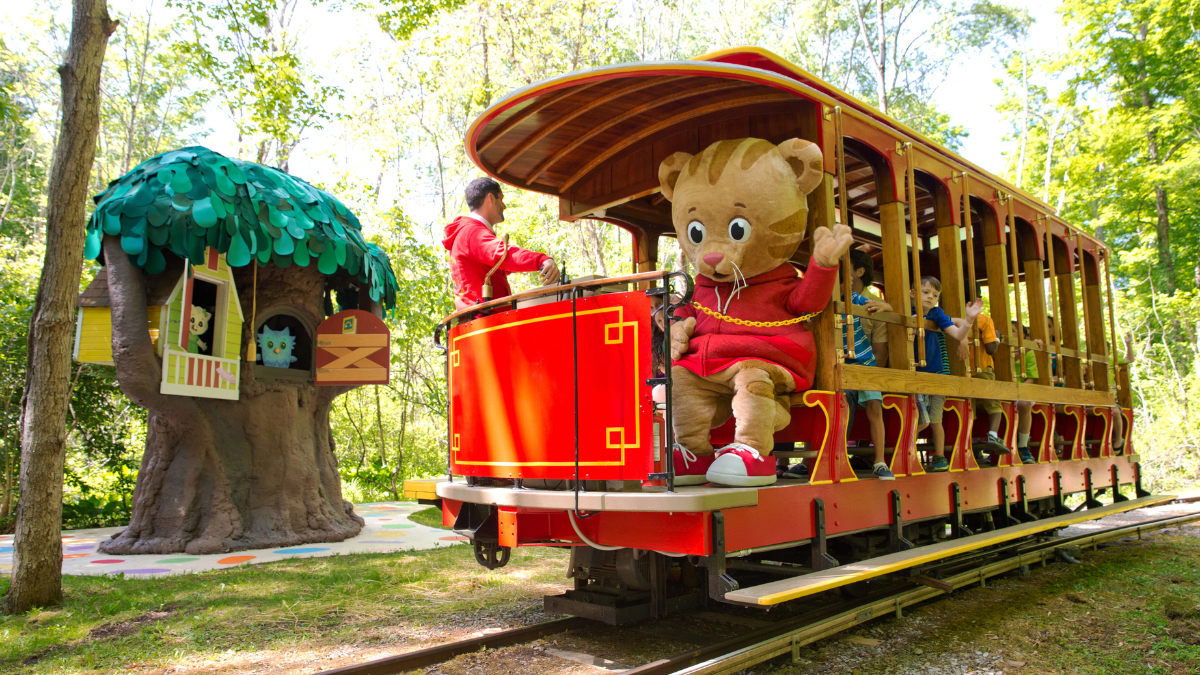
<point x="863" y="260"/>
<point x="479" y="189"/>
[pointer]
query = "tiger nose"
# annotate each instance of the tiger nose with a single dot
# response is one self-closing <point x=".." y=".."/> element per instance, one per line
<point x="714" y="259"/>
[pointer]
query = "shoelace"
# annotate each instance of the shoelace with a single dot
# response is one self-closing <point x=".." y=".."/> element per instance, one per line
<point x="742" y="446"/>
<point x="687" y="455"/>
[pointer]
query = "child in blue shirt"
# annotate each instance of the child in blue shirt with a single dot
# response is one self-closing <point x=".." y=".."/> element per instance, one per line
<point x="929" y="406"/>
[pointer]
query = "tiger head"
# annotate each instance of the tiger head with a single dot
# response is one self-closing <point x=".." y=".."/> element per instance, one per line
<point x="740" y="207"/>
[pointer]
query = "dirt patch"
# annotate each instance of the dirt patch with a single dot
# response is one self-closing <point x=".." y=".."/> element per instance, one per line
<point x="124" y="628"/>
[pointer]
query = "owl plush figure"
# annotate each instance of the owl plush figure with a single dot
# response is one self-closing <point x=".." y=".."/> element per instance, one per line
<point x="198" y="326"/>
<point x="275" y="347"/>
<point x="740" y="210"/>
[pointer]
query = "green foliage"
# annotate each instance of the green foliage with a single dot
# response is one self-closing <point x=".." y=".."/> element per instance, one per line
<point x="22" y="167"/>
<point x="189" y="199"/>
<point x="247" y="53"/>
<point x="146" y="107"/>
<point x="402" y="18"/>
<point x="1106" y="132"/>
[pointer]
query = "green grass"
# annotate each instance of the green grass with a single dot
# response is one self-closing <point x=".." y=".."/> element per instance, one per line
<point x="431" y="517"/>
<point x="314" y="603"/>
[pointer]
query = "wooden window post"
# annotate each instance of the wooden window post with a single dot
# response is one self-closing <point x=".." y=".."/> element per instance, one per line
<point x="915" y="239"/>
<point x="1016" y="284"/>
<point x="972" y="293"/>
<point x="996" y="260"/>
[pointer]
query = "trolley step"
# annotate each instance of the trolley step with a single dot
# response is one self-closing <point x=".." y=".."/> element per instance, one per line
<point x="777" y="592"/>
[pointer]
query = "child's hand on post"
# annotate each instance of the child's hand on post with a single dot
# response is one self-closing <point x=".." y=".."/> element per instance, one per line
<point x="974" y="310"/>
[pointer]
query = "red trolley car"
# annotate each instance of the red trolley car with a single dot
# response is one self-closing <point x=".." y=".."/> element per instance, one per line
<point x="551" y="418"/>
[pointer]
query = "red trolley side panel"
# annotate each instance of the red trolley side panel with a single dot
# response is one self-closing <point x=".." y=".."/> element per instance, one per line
<point x="512" y="393"/>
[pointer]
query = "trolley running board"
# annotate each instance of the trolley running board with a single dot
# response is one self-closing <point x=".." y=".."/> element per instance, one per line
<point x="776" y="592"/>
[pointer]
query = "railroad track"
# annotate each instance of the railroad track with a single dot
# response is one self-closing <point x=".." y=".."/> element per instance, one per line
<point x="789" y="635"/>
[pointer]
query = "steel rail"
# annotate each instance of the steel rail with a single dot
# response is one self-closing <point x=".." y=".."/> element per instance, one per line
<point x="552" y="290"/>
<point x="741" y="652"/>
<point x="766" y="643"/>
<point x="423" y="658"/>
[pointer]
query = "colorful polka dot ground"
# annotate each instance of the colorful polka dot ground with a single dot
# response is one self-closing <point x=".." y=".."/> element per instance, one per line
<point x="387" y="529"/>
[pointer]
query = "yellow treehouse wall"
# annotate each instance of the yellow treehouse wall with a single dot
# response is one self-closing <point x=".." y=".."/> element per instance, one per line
<point x="93" y="343"/>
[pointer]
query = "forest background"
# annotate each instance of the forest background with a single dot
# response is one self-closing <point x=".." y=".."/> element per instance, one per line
<point x="370" y="99"/>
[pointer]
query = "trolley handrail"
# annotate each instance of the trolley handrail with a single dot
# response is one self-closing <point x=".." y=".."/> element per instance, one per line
<point x="551" y="290"/>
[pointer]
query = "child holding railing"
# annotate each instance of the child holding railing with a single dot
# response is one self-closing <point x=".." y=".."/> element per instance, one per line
<point x="929" y="406"/>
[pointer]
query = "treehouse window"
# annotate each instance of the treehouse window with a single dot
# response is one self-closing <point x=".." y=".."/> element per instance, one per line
<point x="202" y="322"/>
<point x="284" y="343"/>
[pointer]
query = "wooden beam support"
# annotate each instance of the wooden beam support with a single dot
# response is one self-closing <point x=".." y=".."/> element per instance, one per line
<point x="847" y="272"/>
<point x="915" y="251"/>
<point x="1056" y="337"/>
<point x="523" y="146"/>
<point x="1035" y="292"/>
<point x="1068" y="320"/>
<point x="566" y="150"/>
<point x="996" y="259"/>
<point x="1089" y="345"/>
<point x="1094" y="322"/>
<point x="1016" y="286"/>
<point x="950" y="261"/>
<point x="728" y="106"/>
<point x="896" y="285"/>
<point x="525" y="113"/>
<point x="824" y="327"/>
<point x="902" y="382"/>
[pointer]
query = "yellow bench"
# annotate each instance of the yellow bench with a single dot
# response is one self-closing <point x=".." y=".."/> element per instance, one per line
<point x="424" y="490"/>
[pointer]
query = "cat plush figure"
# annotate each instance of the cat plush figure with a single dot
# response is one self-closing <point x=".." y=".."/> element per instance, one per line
<point x="197" y="327"/>
<point x="740" y="210"/>
<point x="275" y="347"/>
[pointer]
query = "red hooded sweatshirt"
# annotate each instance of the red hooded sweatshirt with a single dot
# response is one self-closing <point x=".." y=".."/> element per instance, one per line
<point x="777" y="295"/>
<point x="474" y="249"/>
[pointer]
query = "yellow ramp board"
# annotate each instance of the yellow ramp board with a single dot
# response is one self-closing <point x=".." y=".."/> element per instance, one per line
<point x="421" y="489"/>
<point x="797" y="587"/>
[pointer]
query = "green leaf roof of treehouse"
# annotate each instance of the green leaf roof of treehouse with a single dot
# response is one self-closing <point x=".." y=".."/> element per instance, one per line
<point x="189" y="199"/>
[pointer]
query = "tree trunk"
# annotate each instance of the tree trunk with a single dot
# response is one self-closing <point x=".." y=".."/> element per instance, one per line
<point x="37" y="552"/>
<point x="881" y="68"/>
<point x="221" y="475"/>
<point x="1024" y="120"/>
<point x="1162" y="230"/>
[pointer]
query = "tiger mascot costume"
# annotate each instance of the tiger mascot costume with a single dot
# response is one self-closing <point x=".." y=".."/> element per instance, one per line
<point x="740" y="210"/>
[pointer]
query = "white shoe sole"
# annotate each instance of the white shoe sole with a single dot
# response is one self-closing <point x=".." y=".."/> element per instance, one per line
<point x="737" y="480"/>
<point x="691" y="479"/>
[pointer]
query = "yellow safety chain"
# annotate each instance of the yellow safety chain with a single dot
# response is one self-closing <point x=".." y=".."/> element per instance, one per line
<point x="754" y="324"/>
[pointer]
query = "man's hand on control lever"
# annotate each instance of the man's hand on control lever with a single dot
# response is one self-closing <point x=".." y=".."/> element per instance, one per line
<point x="549" y="273"/>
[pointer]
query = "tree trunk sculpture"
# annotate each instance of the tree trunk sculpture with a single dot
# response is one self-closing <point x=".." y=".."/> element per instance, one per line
<point x="219" y="475"/>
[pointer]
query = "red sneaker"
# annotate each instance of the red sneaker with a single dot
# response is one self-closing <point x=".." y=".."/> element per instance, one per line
<point x="690" y="469"/>
<point x="741" y="465"/>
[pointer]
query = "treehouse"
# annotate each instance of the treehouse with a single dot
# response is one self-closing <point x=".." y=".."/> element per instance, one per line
<point x="215" y="304"/>
<point x="230" y="214"/>
<point x="195" y="326"/>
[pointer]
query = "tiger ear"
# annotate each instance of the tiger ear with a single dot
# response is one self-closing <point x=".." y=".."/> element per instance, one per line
<point x="805" y="159"/>
<point x="668" y="173"/>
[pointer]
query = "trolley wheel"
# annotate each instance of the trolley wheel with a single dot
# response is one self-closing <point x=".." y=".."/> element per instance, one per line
<point x="491" y="554"/>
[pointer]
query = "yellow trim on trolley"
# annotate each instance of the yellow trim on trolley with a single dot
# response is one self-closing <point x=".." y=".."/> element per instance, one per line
<point x="620" y="325"/>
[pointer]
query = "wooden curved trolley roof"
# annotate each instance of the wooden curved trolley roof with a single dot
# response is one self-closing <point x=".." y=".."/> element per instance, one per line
<point x="594" y="139"/>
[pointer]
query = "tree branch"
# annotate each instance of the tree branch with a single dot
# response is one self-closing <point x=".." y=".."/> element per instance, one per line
<point x="138" y="370"/>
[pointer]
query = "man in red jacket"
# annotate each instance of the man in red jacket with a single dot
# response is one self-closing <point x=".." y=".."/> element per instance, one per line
<point x="475" y="248"/>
